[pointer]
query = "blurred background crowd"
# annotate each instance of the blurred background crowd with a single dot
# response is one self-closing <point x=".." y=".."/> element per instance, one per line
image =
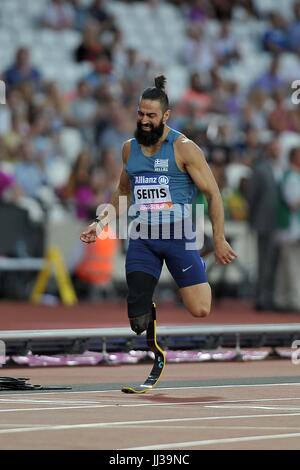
<point x="74" y="71"/>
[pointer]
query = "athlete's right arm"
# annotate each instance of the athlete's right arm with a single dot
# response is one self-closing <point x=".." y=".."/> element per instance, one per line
<point x="89" y="235"/>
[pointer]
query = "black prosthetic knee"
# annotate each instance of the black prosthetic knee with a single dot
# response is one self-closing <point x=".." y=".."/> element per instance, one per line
<point x="140" y="292"/>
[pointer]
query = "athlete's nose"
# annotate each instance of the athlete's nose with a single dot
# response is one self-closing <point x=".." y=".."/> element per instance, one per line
<point x="145" y="122"/>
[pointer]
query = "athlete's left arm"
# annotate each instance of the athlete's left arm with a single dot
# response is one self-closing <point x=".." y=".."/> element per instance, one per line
<point x="194" y="162"/>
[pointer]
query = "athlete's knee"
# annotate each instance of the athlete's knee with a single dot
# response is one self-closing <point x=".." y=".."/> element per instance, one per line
<point x="140" y="291"/>
<point x="200" y="311"/>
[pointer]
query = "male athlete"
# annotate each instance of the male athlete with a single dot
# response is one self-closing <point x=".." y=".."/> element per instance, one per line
<point x="162" y="171"/>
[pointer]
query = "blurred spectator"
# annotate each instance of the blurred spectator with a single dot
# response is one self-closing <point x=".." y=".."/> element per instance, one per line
<point x="58" y="15"/>
<point x="270" y="80"/>
<point x="80" y="14"/>
<point x="12" y="139"/>
<point x="29" y="170"/>
<point x="287" y="293"/>
<point x="255" y="111"/>
<point x="275" y="39"/>
<point x="198" y="11"/>
<point x="22" y="71"/>
<point x="78" y="193"/>
<point x="9" y="190"/>
<point x="196" y="97"/>
<point x="55" y="105"/>
<point x="294" y="30"/>
<point x="84" y="113"/>
<point x="98" y="12"/>
<point x="90" y="47"/>
<point x="225" y="45"/>
<point x="249" y="7"/>
<point x="134" y="69"/>
<point x="283" y="117"/>
<point x="119" y="130"/>
<point x="198" y="53"/>
<point x="262" y="194"/>
<point x="233" y="100"/>
<point x="222" y="9"/>
<point x="249" y="150"/>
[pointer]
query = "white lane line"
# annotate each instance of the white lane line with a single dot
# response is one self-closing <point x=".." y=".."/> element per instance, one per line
<point x="208" y="442"/>
<point x="82" y="407"/>
<point x="222" y="404"/>
<point x="232" y="404"/>
<point x="64" y="427"/>
<point x="230" y="428"/>
<point x="18" y="424"/>
<point x="136" y="405"/>
<point x="195" y="387"/>
<point x="57" y="401"/>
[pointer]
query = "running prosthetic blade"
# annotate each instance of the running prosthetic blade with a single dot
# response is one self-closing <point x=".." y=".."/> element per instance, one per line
<point x="159" y="361"/>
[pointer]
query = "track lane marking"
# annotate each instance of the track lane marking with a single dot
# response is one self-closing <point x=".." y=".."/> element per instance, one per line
<point x="215" y="441"/>
<point x="64" y="427"/>
<point x="195" y="387"/>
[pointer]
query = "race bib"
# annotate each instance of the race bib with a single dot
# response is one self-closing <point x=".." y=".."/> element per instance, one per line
<point x="152" y="192"/>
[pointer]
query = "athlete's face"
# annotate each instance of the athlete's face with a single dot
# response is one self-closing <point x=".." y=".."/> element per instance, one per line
<point x="150" y="122"/>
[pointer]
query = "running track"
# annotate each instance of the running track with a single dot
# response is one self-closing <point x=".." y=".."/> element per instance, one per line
<point x="253" y="405"/>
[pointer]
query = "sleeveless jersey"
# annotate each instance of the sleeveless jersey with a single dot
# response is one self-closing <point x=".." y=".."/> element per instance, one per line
<point x="160" y="190"/>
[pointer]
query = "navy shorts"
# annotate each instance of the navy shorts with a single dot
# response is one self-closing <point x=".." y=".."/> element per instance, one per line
<point x="186" y="266"/>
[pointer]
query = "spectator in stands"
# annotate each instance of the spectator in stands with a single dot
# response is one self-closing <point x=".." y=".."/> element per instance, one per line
<point x="249" y="149"/>
<point x="80" y="14"/>
<point x="198" y="11"/>
<point x="249" y="6"/>
<point x="255" y="111"/>
<point x="134" y="69"/>
<point x="29" y="170"/>
<point x="98" y="11"/>
<point x="283" y="117"/>
<point x="22" y="71"/>
<point x="196" y="96"/>
<point x="271" y="79"/>
<point x="275" y="39"/>
<point x="12" y="139"/>
<point x="222" y="9"/>
<point x="294" y="30"/>
<point x="287" y="293"/>
<point x="55" y="105"/>
<point x="9" y="190"/>
<point x="78" y="193"/>
<point x="198" y="52"/>
<point x="226" y="47"/>
<point x="119" y="130"/>
<point x="90" y="47"/>
<point x="262" y="195"/>
<point x="233" y="101"/>
<point x="84" y="113"/>
<point x="58" y="15"/>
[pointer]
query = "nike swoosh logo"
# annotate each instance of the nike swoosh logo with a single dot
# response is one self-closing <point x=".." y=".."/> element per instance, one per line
<point x="185" y="269"/>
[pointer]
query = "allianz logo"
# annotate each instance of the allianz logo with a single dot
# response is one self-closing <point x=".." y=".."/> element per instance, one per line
<point x="163" y="179"/>
<point x="151" y="179"/>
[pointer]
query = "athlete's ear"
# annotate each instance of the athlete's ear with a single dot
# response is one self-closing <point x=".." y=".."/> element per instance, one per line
<point x="166" y="116"/>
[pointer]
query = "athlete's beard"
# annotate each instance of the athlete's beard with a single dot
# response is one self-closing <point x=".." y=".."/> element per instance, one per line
<point x="151" y="137"/>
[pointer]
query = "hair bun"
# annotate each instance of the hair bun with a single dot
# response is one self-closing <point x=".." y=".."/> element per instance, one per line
<point x="160" y="82"/>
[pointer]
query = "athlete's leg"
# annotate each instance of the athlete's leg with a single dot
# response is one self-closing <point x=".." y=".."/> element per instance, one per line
<point x="188" y="270"/>
<point x="139" y="300"/>
<point x="143" y="268"/>
<point x="197" y="299"/>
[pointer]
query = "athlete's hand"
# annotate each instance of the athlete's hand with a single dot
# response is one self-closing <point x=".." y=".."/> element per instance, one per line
<point x="224" y="254"/>
<point x="89" y="235"/>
